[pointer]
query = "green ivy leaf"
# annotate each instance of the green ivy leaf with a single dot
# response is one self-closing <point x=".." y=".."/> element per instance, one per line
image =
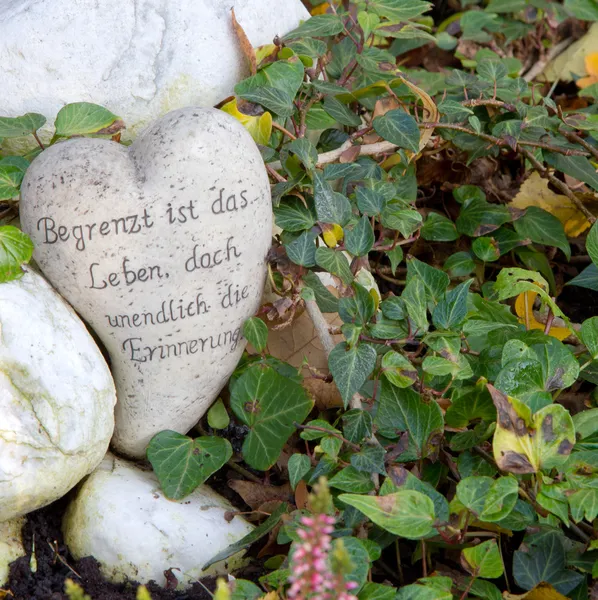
<point x="435" y="281"/>
<point x="403" y="410"/>
<point x="398" y="370"/>
<point x="479" y="217"/>
<point x="331" y="207"/>
<point x="406" y="513"/>
<point x="360" y="239"/>
<point x="459" y="264"/>
<point x="318" y="26"/>
<point x="84" y="118"/>
<point x="299" y="466"/>
<point x="11" y="127"/>
<point x="181" y="463"/>
<point x="357" y="425"/>
<point x="305" y="151"/>
<point x="370" y="459"/>
<point x="340" y="112"/>
<point x="350" y="479"/>
<point x="350" y="367"/>
<point x="398" y="127"/>
<point x="470" y="404"/>
<point x="489" y="499"/>
<point x="451" y="311"/>
<point x="437" y="228"/>
<point x="414" y="300"/>
<point x="487" y="249"/>
<point x="543" y="228"/>
<point x="302" y="250"/>
<point x="256" y="333"/>
<point x="10" y="181"/>
<point x="270" y="405"/>
<point x="218" y="416"/>
<point x="292" y="215"/>
<point x="578" y="167"/>
<point x="16" y="249"/>
<point x="484" y="560"/>
<point x="335" y="262"/>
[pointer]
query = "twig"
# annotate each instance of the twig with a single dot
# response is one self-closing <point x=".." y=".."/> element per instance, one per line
<point x="576" y="139"/>
<point x="273" y="173"/>
<point x="39" y="142"/>
<point x="552" y="53"/>
<point x="544" y="172"/>
<point x="247" y="474"/>
<point x="338" y="436"/>
<point x="284" y="130"/>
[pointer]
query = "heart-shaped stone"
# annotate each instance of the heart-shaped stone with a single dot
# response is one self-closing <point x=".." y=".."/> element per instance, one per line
<point x="161" y="247"/>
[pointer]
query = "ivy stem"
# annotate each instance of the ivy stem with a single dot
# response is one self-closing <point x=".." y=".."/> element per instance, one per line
<point x="283" y="130"/>
<point x="338" y="436"/>
<point x="39" y="142"/>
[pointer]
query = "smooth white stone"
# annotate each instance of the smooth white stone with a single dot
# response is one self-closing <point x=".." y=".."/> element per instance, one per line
<point x="139" y="58"/>
<point x="56" y="397"/>
<point x="167" y="373"/>
<point x="121" y="517"/>
<point x="11" y="545"/>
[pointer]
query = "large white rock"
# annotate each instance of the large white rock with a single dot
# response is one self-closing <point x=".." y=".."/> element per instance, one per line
<point x="162" y="248"/>
<point x="56" y="397"/>
<point x="121" y="517"/>
<point x="139" y="58"/>
<point x="11" y="545"/>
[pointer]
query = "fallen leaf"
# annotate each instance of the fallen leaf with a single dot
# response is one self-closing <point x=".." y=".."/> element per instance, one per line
<point x="245" y="44"/>
<point x="324" y="393"/>
<point x="257" y="494"/>
<point x="332" y="234"/>
<point x="524" y="309"/>
<point x="301" y="495"/>
<point x="543" y="591"/>
<point x="534" y="191"/>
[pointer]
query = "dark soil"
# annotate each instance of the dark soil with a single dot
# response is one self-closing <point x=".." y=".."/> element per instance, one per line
<point x="55" y="565"/>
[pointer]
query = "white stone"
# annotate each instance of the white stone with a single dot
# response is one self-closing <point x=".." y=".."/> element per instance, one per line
<point x="139" y="58"/>
<point x="56" y="397"/>
<point x="121" y="517"/>
<point x="11" y="545"/>
<point x="194" y="165"/>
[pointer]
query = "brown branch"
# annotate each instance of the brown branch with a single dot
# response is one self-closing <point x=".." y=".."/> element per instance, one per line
<point x="284" y="130"/>
<point x="576" y="139"/>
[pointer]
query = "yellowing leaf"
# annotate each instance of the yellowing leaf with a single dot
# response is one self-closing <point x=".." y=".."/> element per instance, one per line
<point x="332" y="234"/>
<point x="535" y="192"/>
<point x="524" y="304"/>
<point x="322" y="8"/>
<point x="525" y="443"/>
<point x="591" y="62"/>
<point x="543" y="591"/>
<point x="260" y="127"/>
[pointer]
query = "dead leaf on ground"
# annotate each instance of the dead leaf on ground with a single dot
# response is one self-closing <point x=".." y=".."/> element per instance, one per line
<point x="535" y="192"/>
<point x="245" y="44"/>
<point x="324" y="393"/>
<point x="301" y="495"/>
<point x="257" y="494"/>
<point x="543" y="591"/>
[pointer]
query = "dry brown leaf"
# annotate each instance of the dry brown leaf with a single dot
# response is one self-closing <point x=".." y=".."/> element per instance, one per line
<point x="299" y="340"/>
<point x="385" y="104"/>
<point x="430" y="112"/>
<point x="325" y="394"/>
<point x="535" y="192"/>
<point x="543" y="591"/>
<point x="301" y="495"/>
<point x="257" y="494"/>
<point x="245" y="44"/>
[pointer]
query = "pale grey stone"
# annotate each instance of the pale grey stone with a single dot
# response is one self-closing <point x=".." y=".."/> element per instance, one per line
<point x="161" y="247"/>
<point x="56" y="397"/>
<point x="121" y="517"/>
<point x="139" y="58"/>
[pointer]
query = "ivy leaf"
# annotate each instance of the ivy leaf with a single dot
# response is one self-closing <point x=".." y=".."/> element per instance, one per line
<point x="331" y="207"/>
<point x="487" y="249"/>
<point x="483" y="560"/>
<point x="256" y="333"/>
<point x="302" y="251"/>
<point x="357" y="425"/>
<point x="299" y="466"/>
<point x="470" y="403"/>
<point x="543" y="228"/>
<point x="11" y="127"/>
<point x="16" y="249"/>
<point x="578" y="167"/>
<point x="489" y="499"/>
<point x="435" y="281"/>
<point x="370" y="459"/>
<point x="403" y="410"/>
<point x="318" y="26"/>
<point x="406" y="513"/>
<point x="451" y="311"/>
<point x="414" y="300"/>
<point x="584" y="504"/>
<point x="181" y="463"/>
<point x="592" y="244"/>
<point x="305" y="151"/>
<point x="398" y="127"/>
<point x="543" y="559"/>
<point x="360" y="239"/>
<point x="335" y="262"/>
<point x="84" y="118"/>
<point x="437" y="228"/>
<point x="479" y="217"/>
<point x="270" y="405"/>
<point x="526" y="443"/>
<point x="218" y="416"/>
<point x="340" y="112"/>
<point x="350" y="367"/>
<point x="10" y="181"/>
<point x="350" y="479"/>
<point x="292" y="215"/>
<point x="398" y="370"/>
<point x="589" y="336"/>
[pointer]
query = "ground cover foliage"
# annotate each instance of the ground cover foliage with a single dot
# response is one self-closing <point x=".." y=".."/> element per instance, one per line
<point x="416" y="157"/>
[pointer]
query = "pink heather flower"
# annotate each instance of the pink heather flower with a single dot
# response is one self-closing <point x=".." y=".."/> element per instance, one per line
<point x="311" y="575"/>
